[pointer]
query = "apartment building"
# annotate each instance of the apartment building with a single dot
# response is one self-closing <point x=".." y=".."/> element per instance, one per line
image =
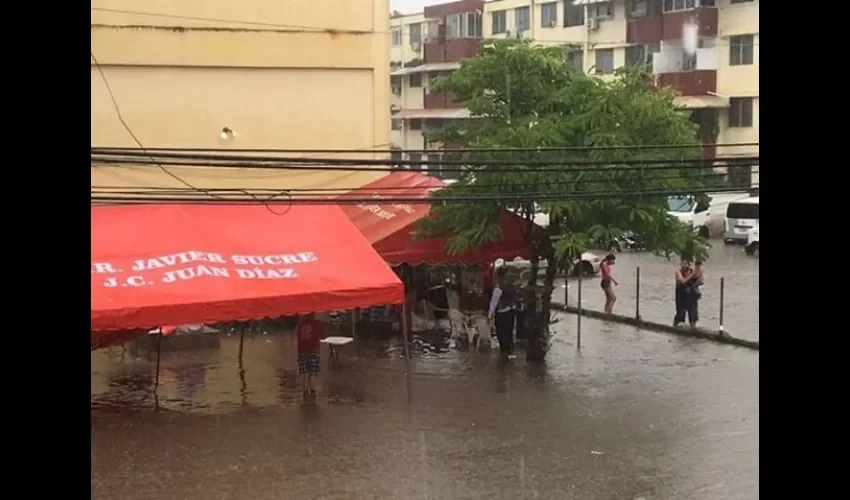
<point x="719" y="80"/>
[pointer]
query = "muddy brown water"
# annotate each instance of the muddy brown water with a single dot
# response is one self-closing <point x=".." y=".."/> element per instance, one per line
<point x="632" y="415"/>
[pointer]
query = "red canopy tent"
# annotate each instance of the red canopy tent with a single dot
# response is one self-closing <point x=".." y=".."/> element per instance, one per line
<point x="389" y="226"/>
<point x="174" y="264"/>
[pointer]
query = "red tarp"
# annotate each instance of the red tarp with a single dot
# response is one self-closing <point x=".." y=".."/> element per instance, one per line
<point x="389" y="226"/>
<point x="176" y="264"/>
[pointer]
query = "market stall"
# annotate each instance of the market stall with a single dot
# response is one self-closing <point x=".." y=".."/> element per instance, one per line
<point x="438" y="282"/>
<point x="174" y="264"/>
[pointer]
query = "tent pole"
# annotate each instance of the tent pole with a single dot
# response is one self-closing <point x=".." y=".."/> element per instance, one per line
<point x="156" y="377"/>
<point x="405" y="327"/>
<point x="241" y="340"/>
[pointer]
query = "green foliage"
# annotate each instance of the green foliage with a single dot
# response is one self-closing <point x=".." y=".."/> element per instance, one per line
<point x="526" y="96"/>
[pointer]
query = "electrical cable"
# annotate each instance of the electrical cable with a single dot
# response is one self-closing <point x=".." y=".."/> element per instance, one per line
<point x="387" y="189"/>
<point x="136" y="139"/>
<point x="443" y="150"/>
<point x="335" y="164"/>
<point x="501" y="198"/>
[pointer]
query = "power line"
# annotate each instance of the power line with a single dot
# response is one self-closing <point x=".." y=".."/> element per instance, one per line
<point x="356" y="165"/>
<point x="444" y="150"/>
<point x="385" y="189"/>
<point x="116" y="197"/>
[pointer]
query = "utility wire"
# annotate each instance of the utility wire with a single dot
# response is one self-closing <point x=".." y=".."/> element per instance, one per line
<point x="503" y="198"/>
<point x="328" y="164"/>
<point x="443" y="150"/>
<point x="396" y="189"/>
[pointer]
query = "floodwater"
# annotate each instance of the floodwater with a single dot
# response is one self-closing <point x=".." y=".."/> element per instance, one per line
<point x="741" y="289"/>
<point x="632" y="415"/>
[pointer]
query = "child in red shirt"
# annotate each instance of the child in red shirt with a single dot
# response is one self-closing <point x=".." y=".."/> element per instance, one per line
<point x="310" y="333"/>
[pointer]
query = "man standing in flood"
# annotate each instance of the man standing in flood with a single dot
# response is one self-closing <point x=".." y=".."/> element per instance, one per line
<point x="501" y="312"/>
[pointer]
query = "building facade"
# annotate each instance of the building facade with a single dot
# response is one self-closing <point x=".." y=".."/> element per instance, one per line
<point x="295" y="74"/>
<point x="718" y="80"/>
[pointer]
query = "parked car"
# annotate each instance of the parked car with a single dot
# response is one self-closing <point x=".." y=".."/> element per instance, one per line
<point x="588" y="265"/>
<point x="752" y="247"/>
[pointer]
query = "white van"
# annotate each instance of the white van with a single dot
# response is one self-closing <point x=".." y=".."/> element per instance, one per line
<point x="741" y="216"/>
<point x="752" y="247"/>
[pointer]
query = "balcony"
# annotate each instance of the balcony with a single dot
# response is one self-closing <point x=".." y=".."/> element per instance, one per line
<point x="656" y="27"/>
<point x="440" y="101"/>
<point x="450" y="50"/>
<point x="695" y="82"/>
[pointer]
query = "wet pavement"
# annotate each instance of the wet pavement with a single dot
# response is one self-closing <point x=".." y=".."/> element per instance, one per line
<point x="634" y="415"/>
<point x="741" y="296"/>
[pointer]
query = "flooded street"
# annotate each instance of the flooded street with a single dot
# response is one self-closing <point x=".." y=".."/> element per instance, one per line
<point x="633" y="415"/>
<point x="741" y="301"/>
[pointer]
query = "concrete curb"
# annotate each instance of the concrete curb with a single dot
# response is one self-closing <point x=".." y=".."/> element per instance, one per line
<point x="701" y="333"/>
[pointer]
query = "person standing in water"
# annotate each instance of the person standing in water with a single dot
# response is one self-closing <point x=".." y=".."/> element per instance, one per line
<point x="501" y="312"/>
<point x="608" y="281"/>
<point x="310" y="334"/>
<point x="686" y="295"/>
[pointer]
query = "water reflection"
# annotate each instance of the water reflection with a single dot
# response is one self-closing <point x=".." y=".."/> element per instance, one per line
<point x="634" y="415"/>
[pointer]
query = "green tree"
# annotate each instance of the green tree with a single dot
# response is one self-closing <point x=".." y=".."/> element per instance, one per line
<point x="526" y="96"/>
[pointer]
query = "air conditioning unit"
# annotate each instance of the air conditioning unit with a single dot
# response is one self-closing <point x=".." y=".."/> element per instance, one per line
<point x="593" y="23"/>
<point x="415" y="46"/>
<point x="397" y="89"/>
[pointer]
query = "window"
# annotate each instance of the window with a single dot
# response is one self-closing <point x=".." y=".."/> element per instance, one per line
<point x="453" y="26"/>
<point x="604" y="61"/>
<point x="463" y="25"/>
<point x="741" y="50"/>
<point x="576" y="58"/>
<point x="549" y="15"/>
<point x="415" y="80"/>
<point x="689" y="61"/>
<point x="742" y="210"/>
<point x="396" y="36"/>
<point x="522" y="19"/>
<point x="500" y="21"/>
<point x="641" y="55"/>
<point x="675" y="5"/>
<point x="636" y="8"/>
<point x="573" y="14"/>
<point x="415" y="124"/>
<point x="415" y="33"/>
<point x="741" y="112"/>
<point x="473" y="25"/>
<point x="603" y="9"/>
<point x="395" y="124"/>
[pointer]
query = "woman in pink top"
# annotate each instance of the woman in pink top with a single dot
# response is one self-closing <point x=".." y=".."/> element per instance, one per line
<point x="607" y="282"/>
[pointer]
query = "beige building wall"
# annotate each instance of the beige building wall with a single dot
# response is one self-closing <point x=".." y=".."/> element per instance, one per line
<point x="295" y="74"/>
<point x="741" y="81"/>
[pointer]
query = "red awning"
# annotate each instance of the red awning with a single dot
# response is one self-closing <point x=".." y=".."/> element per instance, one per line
<point x="175" y="264"/>
<point x="389" y="226"/>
